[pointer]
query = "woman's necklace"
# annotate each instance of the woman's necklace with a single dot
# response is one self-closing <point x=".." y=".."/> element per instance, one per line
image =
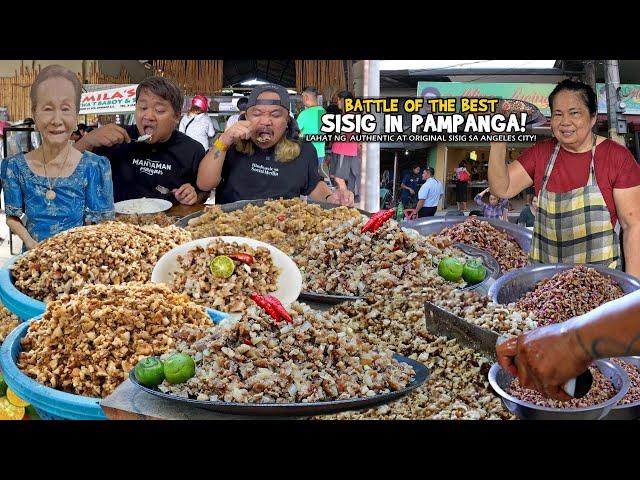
<point x="51" y="194"/>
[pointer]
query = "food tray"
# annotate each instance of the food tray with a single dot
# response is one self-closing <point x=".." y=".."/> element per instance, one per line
<point x="296" y="409"/>
<point x="493" y="273"/>
<point x="427" y="226"/>
<point x="232" y="207"/>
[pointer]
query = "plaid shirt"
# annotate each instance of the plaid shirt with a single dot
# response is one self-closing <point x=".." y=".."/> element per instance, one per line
<point x="490" y="211"/>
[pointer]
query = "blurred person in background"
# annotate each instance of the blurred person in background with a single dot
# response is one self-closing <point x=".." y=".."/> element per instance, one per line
<point x="196" y="123"/>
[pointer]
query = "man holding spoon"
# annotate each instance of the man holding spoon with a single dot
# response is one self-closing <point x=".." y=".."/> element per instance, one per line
<point x="152" y="152"/>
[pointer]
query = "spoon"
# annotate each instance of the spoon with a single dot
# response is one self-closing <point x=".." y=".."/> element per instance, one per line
<point x="143" y="138"/>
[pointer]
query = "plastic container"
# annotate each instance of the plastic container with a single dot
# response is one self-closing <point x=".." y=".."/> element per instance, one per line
<point x="17" y="302"/>
<point x="51" y="404"/>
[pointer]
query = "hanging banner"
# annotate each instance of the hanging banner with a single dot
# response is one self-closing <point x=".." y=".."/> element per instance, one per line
<point x="110" y="101"/>
<point x="534" y="93"/>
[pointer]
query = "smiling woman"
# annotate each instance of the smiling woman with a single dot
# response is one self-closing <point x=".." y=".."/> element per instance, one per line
<point x="588" y="187"/>
<point x="56" y="186"/>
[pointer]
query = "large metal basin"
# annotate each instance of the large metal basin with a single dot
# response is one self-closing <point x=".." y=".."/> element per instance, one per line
<point x="426" y="226"/>
<point x="513" y="285"/>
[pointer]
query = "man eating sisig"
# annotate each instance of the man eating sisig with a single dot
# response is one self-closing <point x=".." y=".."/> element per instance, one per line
<point x="151" y="153"/>
<point x="260" y="156"/>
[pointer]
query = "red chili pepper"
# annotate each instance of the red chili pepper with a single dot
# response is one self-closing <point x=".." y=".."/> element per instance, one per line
<point x="383" y="218"/>
<point x="372" y="220"/>
<point x="265" y="305"/>
<point x="246" y="341"/>
<point x="275" y="303"/>
<point x="242" y="257"/>
<point x="281" y="217"/>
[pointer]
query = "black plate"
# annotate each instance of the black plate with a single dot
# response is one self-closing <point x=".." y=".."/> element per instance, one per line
<point x="328" y="298"/>
<point x="232" y="207"/>
<point x="296" y="409"/>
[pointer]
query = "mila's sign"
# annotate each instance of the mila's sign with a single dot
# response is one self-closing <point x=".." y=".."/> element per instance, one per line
<point x="113" y="100"/>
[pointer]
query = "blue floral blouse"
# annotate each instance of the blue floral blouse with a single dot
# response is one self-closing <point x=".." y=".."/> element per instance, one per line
<point x="84" y="196"/>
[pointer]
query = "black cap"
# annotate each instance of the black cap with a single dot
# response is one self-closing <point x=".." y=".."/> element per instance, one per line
<point x="280" y="90"/>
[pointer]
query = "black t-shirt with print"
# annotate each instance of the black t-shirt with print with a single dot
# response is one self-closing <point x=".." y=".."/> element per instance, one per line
<point x="138" y="168"/>
<point x="249" y="177"/>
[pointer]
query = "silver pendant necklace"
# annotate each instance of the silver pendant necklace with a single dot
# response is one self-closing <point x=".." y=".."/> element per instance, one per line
<point x="51" y="194"/>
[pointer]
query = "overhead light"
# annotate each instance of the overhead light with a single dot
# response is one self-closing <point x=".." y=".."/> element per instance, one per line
<point x="253" y="82"/>
<point x="406" y="152"/>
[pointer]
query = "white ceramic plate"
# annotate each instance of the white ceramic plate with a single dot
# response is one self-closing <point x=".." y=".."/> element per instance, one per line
<point x="289" y="281"/>
<point x="142" y="206"/>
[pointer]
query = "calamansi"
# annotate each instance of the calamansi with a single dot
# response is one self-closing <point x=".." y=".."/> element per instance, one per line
<point x="222" y="266"/>
<point x="15" y="400"/>
<point x="450" y="269"/>
<point x="179" y="367"/>
<point x="8" y="411"/>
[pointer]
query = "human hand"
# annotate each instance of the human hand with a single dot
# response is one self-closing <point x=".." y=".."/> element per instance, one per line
<point x="31" y="244"/>
<point x="342" y="197"/>
<point x="186" y="194"/>
<point x="106" y="136"/>
<point x="544" y="359"/>
<point x="241" y="130"/>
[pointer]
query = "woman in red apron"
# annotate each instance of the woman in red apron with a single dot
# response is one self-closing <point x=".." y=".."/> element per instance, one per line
<point x="588" y="186"/>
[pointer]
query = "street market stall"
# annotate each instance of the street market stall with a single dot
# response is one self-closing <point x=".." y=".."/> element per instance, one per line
<point x="110" y="344"/>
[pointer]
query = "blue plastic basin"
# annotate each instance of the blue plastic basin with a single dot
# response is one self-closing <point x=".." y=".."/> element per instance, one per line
<point x="50" y="403"/>
<point x="17" y="302"/>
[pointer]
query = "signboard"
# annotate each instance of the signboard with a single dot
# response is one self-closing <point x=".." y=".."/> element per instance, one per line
<point x="535" y="93"/>
<point x="629" y="94"/>
<point x="110" y="101"/>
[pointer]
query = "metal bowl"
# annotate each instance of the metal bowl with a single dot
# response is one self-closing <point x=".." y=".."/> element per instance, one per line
<point x="629" y="411"/>
<point x="232" y="207"/>
<point x="500" y="380"/>
<point x="514" y="285"/>
<point x="426" y="226"/>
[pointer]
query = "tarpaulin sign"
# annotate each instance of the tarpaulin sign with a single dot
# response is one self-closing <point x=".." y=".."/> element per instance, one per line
<point x="114" y="100"/>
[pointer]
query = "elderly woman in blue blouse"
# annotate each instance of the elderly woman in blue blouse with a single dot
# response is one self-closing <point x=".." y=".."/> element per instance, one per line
<point x="55" y="186"/>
